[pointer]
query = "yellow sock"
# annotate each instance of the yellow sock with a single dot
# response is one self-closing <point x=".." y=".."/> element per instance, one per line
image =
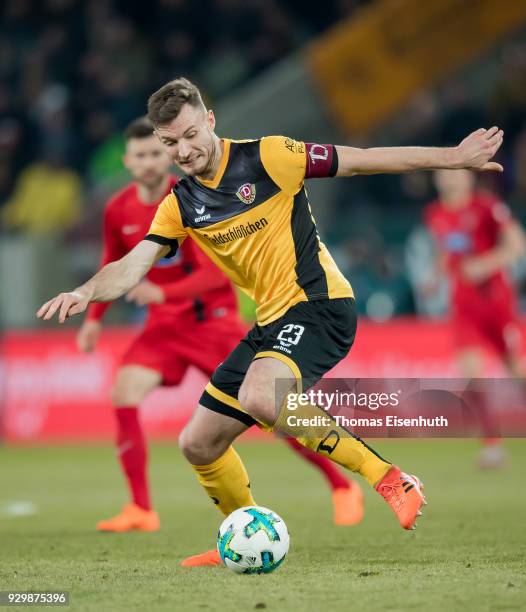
<point x="226" y="482"/>
<point x="349" y="452"/>
<point x="334" y="442"/>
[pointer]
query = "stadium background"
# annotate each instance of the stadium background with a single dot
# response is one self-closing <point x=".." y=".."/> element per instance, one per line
<point x="72" y="74"/>
<point x="75" y="73"/>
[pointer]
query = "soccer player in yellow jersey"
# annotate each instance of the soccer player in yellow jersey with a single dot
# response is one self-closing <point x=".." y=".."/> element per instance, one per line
<point x="244" y="204"/>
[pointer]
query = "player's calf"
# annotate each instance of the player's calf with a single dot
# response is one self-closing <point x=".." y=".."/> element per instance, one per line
<point x="208" y="435"/>
<point x="199" y="450"/>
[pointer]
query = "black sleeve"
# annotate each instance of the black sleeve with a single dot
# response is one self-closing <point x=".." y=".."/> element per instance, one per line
<point x="171" y="242"/>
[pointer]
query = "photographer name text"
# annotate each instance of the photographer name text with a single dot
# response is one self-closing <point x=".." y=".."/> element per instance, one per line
<point x="389" y="420"/>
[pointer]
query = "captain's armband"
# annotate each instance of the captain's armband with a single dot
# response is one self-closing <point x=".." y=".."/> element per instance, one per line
<point x="322" y="160"/>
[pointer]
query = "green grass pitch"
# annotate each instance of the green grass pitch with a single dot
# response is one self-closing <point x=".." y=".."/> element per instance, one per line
<point x="468" y="552"/>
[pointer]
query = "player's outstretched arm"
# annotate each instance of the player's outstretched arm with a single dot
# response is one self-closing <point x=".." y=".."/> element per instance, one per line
<point x="112" y="281"/>
<point x="204" y="277"/>
<point x="474" y="152"/>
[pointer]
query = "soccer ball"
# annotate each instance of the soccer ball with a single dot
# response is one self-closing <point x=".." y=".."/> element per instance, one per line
<point x="253" y="540"/>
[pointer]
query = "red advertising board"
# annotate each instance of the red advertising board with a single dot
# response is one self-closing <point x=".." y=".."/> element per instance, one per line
<point x="51" y="392"/>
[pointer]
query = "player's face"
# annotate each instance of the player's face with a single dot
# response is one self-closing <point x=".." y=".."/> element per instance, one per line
<point x="454" y="186"/>
<point x="190" y="140"/>
<point x="147" y="161"/>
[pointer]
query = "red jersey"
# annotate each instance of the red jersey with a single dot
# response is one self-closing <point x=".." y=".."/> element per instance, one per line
<point x="126" y="222"/>
<point x="468" y="232"/>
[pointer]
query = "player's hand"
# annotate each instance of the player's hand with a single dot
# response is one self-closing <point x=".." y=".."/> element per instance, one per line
<point x="476" y="150"/>
<point x="475" y="270"/>
<point x="146" y="293"/>
<point x="67" y="305"/>
<point x="88" y="336"/>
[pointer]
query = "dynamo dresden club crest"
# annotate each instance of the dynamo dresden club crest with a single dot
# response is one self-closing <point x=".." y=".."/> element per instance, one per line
<point x="247" y="193"/>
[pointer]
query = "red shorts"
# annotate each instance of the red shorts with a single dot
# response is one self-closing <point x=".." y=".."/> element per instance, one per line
<point x="170" y="349"/>
<point x="481" y="322"/>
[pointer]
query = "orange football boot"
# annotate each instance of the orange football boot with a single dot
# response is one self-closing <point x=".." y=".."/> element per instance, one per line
<point x="348" y="505"/>
<point x="404" y="494"/>
<point x="132" y="518"/>
<point x="209" y="558"/>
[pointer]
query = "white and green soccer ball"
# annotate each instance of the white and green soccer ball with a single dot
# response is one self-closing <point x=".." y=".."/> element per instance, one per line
<point x="253" y="540"/>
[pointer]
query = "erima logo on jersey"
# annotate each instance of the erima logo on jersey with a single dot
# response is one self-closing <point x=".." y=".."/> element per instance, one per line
<point x="200" y="212"/>
<point x="247" y="193"/>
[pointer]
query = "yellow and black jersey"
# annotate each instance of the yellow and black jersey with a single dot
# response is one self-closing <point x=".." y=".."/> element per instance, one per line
<point x="254" y="221"/>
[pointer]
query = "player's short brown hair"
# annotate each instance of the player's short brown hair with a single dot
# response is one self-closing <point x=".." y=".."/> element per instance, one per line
<point x="141" y="127"/>
<point x="165" y="104"/>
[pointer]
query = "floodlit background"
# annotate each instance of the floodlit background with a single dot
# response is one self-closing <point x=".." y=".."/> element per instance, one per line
<point x="73" y="73"/>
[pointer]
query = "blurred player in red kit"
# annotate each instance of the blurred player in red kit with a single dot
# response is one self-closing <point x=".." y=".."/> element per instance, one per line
<point x="477" y="241"/>
<point x="192" y="320"/>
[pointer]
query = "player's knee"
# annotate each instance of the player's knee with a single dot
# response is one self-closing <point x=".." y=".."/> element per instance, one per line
<point x="197" y="450"/>
<point x="132" y="385"/>
<point x="126" y="394"/>
<point x="258" y="405"/>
